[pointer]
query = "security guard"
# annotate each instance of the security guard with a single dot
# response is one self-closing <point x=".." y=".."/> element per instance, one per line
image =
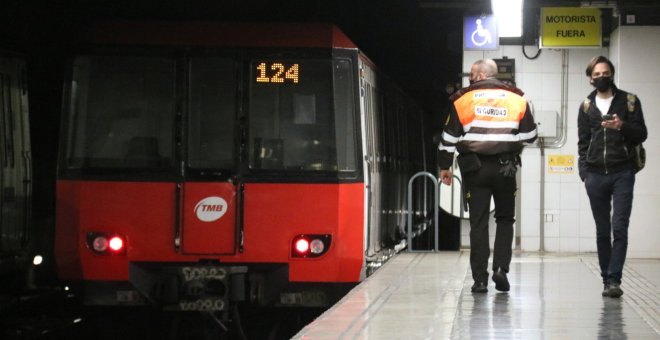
<point x="488" y="123"/>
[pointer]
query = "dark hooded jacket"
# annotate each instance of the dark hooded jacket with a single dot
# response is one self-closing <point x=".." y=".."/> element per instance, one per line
<point x="606" y="150"/>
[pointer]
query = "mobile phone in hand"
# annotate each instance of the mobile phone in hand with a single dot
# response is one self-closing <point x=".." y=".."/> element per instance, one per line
<point x="608" y="117"/>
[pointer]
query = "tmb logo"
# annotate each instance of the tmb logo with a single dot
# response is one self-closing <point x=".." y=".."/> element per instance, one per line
<point x="211" y="209"/>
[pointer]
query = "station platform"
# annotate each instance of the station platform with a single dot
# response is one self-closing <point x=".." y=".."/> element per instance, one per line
<point x="552" y="296"/>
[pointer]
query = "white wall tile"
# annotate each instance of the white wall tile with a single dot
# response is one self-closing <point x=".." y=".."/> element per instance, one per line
<point x="570" y="224"/>
<point x="573" y="178"/>
<point x="530" y="222"/>
<point x="570" y="200"/>
<point x="551" y="244"/>
<point x="551" y="86"/>
<point x="534" y="65"/>
<point x="569" y="245"/>
<point x="579" y="58"/>
<point x="585" y="204"/>
<point x="570" y="147"/>
<point x="534" y="89"/>
<point x="530" y="195"/>
<point x="643" y="223"/>
<point x="529" y="243"/>
<point x="552" y="221"/>
<point x="587" y="227"/>
<point x="495" y="54"/>
<point x="587" y="245"/>
<point x="551" y="61"/>
<point x="578" y="88"/>
<point x="512" y="52"/>
<point x="636" y="53"/>
<point x="552" y="195"/>
<point x="531" y="165"/>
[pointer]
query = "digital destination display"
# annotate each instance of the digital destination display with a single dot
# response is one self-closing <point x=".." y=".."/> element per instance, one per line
<point x="277" y="72"/>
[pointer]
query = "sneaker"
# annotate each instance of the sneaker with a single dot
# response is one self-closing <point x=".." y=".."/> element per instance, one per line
<point x="501" y="282"/>
<point x="479" y="287"/>
<point x="606" y="290"/>
<point x="615" y="290"/>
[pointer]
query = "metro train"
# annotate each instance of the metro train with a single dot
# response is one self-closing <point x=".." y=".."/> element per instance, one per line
<point x="15" y="174"/>
<point x="205" y="165"/>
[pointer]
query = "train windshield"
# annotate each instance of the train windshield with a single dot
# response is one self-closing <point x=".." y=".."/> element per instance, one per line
<point x="212" y="111"/>
<point x="122" y="112"/>
<point x="301" y="115"/>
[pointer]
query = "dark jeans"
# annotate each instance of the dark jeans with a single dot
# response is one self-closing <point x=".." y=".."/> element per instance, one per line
<point x="482" y="184"/>
<point x="614" y="190"/>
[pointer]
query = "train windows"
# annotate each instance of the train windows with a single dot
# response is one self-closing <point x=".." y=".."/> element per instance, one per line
<point x="122" y="112"/>
<point x="212" y="112"/>
<point x="15" y="169"/>
<point x="292" y="121"/>
<point x="7" y="121"/>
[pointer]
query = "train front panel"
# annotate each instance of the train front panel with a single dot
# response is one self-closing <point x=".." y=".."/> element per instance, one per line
<point x="194" y="179"/>
<point x="157" y="251"/>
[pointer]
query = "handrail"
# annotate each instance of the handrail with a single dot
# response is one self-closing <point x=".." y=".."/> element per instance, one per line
<point x="436" y="197"/>
<point x="436" y="204"/>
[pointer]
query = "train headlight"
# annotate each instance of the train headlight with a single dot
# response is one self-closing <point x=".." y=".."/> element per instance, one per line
<point x="100" y="244"/>
<point x="103" y="243"/>
<point x="310" y="245"/>
<point x="316" y="246"/>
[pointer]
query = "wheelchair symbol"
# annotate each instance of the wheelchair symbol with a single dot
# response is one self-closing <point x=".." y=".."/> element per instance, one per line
<point x="482" y="33"/>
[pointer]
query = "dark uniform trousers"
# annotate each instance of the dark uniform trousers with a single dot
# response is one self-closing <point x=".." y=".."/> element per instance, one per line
<point x="482" y="184"/>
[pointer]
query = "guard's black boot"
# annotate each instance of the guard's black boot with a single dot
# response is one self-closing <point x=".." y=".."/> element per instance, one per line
<point x="501" y="282"/>
<point x="479" y="287"/>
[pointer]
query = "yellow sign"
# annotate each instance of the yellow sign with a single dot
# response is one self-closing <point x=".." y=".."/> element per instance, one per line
<point x="561" y="164"/>
<point x="571" y="27"/>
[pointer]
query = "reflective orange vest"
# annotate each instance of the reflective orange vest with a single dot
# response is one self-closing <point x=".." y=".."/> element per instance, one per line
<point x="488" y="121"/>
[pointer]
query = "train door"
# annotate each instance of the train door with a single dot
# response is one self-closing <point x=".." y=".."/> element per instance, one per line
<point x="368" y="102"/>
<point x="15" y="176"/>
<point x="209" y="214"/>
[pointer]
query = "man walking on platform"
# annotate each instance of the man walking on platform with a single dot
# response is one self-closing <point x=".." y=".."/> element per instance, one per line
<point x="488" y="123"/>
<point x="610" y="126"/>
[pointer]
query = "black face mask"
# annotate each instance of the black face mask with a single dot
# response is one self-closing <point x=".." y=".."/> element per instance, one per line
<point x="603" y="84"/>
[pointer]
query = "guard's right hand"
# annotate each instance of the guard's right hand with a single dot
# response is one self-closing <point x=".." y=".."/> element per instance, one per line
<point x="445" y="176"/>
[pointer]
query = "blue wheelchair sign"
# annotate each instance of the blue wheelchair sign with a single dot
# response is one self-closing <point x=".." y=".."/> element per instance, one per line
<point x="480" y="33"/>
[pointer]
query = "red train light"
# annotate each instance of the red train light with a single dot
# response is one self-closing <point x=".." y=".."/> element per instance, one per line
<point x="302" y="246"/>
<point x="106" y="243"/>
<point x="116" y="244"/>
<point x="307" y="246"/>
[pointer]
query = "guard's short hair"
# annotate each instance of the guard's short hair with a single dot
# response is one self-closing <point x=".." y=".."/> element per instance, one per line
<point x="487" y="66"/>
<point x="597" y="60"/>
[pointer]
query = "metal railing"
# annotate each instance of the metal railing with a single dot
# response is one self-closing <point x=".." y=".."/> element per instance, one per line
<point x="436" y="196"/>
<point x="436" y="204"/>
